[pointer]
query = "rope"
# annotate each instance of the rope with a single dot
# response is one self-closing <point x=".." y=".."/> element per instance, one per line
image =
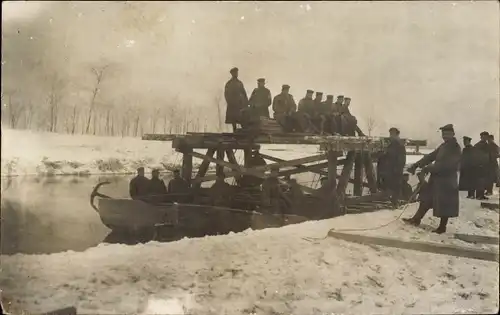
<point x="404" y="208"/>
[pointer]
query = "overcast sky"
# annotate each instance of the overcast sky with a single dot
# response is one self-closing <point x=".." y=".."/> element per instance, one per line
<point x="414" y="65"/>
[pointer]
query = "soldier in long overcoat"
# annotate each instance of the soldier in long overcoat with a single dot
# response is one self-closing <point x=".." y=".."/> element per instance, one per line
<point x="261" y="98"/>
<point x="236" y="99"/>
<point x="483" y="165"/>
<point x="392" y="166"/>
<point x="443" y="180"/>
<point x="467" y="181"/>
<point x="494" y="155"/>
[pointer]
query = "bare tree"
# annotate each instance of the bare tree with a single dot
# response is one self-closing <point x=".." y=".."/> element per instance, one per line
<point x="56" y="87"/>
<point x="371" y="124"/>
<point x="98" y="73"/>
<point x="217" y="101"/>
<point x="12" y="106"/>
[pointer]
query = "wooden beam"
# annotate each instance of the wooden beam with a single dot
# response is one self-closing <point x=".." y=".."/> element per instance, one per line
<point x="477" y="239"/>
<point x="315" y="168"/>
<point x="247" y="155"/>
<point x="358" y="174"/>
<point x="237" y="170"/>
<point x="219" y="168"/>
<point x="231" y="158"/>
<point x="436" y="248"/>
<point x="377" y="197"/>
<point x="345" y="175"/>
<point x="490" y="206"/>
<point x="202" y="170"/>
<point x="370" y="172"/>
<point x="332" y="179"/>
<point x="187" y="165"/>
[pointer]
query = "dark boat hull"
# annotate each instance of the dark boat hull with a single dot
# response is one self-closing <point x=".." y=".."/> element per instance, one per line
<point x="190" y="220"/>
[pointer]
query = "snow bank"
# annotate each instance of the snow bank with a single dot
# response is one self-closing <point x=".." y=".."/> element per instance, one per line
<point x="273" y="271"/>
<point x="30" y="153"/>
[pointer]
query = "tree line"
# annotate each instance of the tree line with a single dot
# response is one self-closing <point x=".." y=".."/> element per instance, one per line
<point x="63" y="108"/>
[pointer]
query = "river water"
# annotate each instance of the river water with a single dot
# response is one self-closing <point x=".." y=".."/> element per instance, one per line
<point x="53" y="214"/>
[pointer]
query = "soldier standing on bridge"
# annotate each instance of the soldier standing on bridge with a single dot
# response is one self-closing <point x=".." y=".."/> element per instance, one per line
<point x="260" y="99"/>
<point x="236" y="99"/>
<point x="443" y="181"/>
<point x="284" y="108"/>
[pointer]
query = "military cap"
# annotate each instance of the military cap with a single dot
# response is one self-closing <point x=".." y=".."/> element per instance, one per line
<point x="484" y="133"/>
<point x="347" y="98"/>
<point x="492" y="137"/>
<point x="394" y="129"/>
<point x="310" y="91"/>
<point x="261" y="80"/>
<point x="340" y="96"/>
<point x="177" y="171"/>
<point x="467" y="138"/>
<point x="329" y="96"/>
<point x="285" y="87"/>
<point x="233" y="70"/>
<point x="155" y="170"/>
<point x="448" y="127"/>
<point x="140" y="168"/>
<point x="319" y="93"/>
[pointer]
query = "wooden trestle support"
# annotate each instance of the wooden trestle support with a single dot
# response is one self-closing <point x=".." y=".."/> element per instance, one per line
<point x="355" y="156"/>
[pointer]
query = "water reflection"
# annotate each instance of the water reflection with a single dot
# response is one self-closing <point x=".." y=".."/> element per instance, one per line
<point x="53" y="214"/>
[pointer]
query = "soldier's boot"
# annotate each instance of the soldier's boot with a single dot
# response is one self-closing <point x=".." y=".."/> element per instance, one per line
<point x="442" y="226"/>
<point x="418" y="216"/>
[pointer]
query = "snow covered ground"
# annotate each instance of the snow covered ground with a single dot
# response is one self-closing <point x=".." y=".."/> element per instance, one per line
<point x="273" y="271"/>
<point x="30" y="153"/>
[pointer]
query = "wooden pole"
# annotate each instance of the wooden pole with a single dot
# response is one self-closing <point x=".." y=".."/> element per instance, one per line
<point x="187" y="165"/>
<point x="332" y="179"/>
<point x="247" y="155"/>
<point x="344" y="176"/>
<point x="370" y="172"/>
<point x="358" y="174"/>
<point x="219" y="169"/>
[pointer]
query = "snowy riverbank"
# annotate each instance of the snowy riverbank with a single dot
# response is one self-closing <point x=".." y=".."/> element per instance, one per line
<point x="29" y="153"/>
<point x="273" y="271"/>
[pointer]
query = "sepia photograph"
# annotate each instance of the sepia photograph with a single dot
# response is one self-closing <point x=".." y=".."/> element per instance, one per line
<point x="250" y="157"/>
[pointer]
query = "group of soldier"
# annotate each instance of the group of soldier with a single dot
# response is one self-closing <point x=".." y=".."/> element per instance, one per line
<point x="154" y="189"/>
<point x="312" y="115"/>
<point x="479" y="167"/>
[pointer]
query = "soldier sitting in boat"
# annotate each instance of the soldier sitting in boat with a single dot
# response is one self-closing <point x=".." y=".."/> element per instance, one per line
<point x="273" y="200"/>
<point x="139" y="186"/>
<point x="220" y="192"/>
<point x="157" y="188"/>
<point x="178" y="189"/>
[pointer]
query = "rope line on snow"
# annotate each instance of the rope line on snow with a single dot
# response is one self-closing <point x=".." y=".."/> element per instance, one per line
<point x="404" y="208"/>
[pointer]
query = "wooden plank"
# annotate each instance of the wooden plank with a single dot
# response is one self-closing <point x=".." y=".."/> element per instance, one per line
<point x="202" y="170"/>
<point x="377" y="197"/>
<point x="436" y="248"/>
<point x="63" y="311"/>
<point x="345" y="175"/>
<point x="187" y="165"/>
<point x="358" y="174"/>
<point x="490" y="206"/>
<point x="477" y="239"/>
<point x="247" y="155"/>
<point x="304" y="188"/>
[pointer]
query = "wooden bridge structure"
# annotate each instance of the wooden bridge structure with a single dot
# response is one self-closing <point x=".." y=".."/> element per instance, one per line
<point x="341" y="159"/>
